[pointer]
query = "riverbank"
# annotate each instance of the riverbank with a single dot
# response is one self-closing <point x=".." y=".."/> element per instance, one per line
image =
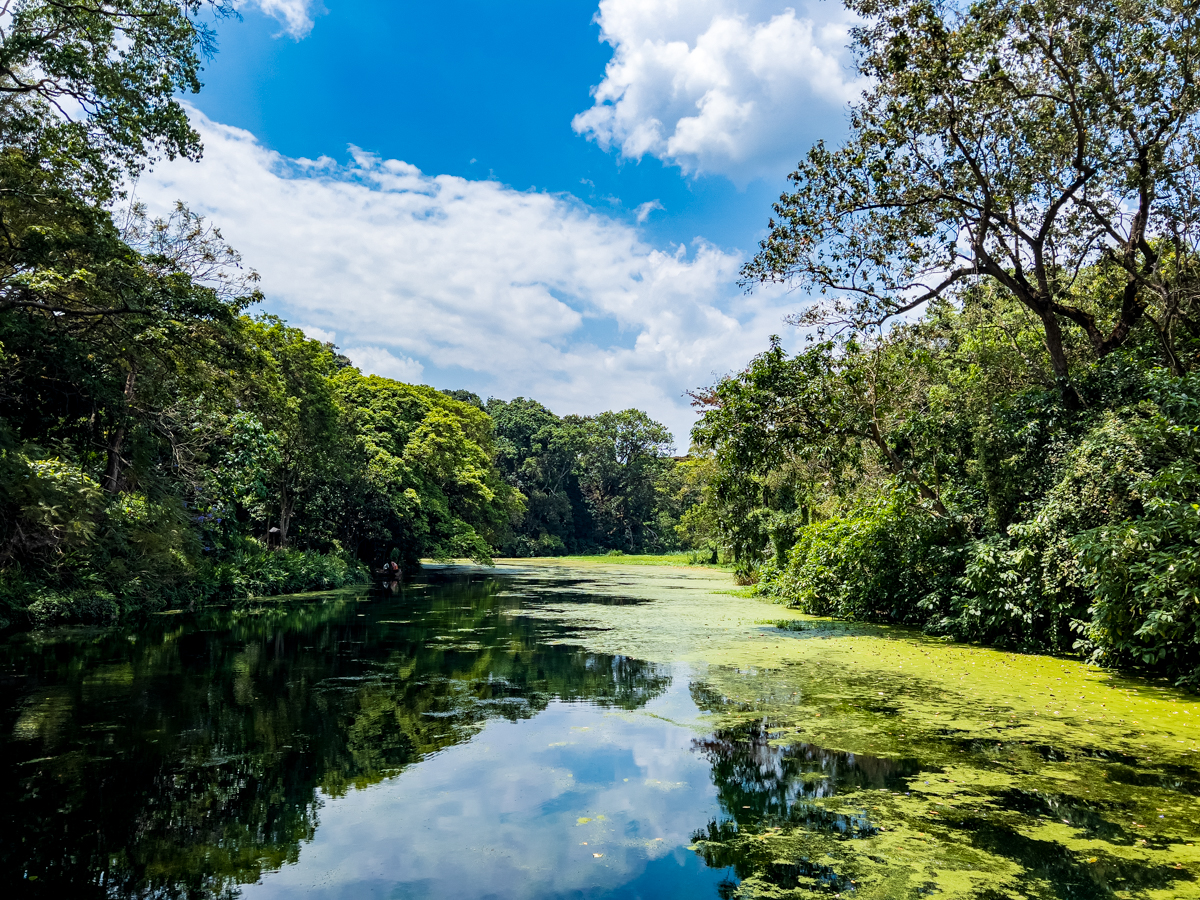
<point x="82" y="597"/>
<point x="681" y="559"/>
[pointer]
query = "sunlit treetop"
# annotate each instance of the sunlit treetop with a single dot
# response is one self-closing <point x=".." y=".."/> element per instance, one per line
<point x="91" y="89"/>
<point x="1012" y="141"/>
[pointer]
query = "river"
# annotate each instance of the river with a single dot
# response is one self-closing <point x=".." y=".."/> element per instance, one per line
<point x="579" y="731"/>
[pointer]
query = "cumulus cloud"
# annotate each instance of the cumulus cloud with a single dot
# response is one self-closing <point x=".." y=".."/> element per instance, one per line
<point x="472" y="283"/>
<point x="381" y="361"/>
<point x="296" y="16"/>
<point x="734" y="87"/>
<point x="317" y="334"/>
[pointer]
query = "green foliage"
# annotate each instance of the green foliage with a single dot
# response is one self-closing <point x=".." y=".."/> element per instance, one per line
<point x="991" y="431"/>
<point x="428" y="471"/>
<point x="1143" y="571"/>
<point x="970" y="498"/>
<point x="621" y="461"/>
<point x="1059" y="136"/>
<point x="886" y="562"/>
<point x="50" y="607"/>
<point x="49" y="506"/>
<point x="590" y="482"/>
<point x="536" y="452"/>
<point x="211" y="428"/>
<point x="253" y="571"/>
<point x="121" y="63"/>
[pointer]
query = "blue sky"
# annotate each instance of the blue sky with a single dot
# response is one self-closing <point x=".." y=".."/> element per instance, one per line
<point x="541" y="198"/>
<point x="477" y="89"/>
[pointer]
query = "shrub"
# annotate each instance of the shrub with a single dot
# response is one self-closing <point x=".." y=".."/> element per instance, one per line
<point x="253" y="571"/>
<point x="1144" y="571"/>
<point x="886" y="562"/>
<point x="523" y="545"/>
<point x="90" y="606"/>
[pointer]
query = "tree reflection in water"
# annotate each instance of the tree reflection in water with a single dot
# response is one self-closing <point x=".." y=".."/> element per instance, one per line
<point x="765" y="790"/>
<point x="187" y="758"/>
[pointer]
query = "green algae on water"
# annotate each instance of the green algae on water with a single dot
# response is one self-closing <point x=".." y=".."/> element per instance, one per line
<point x="876" y="762"/>
<point x="846" y="760"/>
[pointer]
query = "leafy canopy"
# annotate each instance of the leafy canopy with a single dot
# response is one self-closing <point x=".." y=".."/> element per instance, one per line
<point x="1021" y="143"/>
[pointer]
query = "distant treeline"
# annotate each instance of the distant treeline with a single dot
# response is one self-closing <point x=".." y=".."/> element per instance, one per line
<point x="591" y="484"/>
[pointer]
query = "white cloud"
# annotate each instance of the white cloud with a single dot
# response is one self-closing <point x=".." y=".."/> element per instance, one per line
<point x="575" y="780"/>
<point x="473" y="284"/>
<point x="643" y="211"/>
<point x="318" y="334"/>
<point x="296" y="16"/>
<point x="381" y="361"/>
<point x="722" y="86"/>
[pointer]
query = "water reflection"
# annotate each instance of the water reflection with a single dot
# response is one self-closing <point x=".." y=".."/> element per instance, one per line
<point x="452" y="740"/>
<point x="800" y="820"/>
<point x="768" y="790"/>
<point x="187" y="758"/>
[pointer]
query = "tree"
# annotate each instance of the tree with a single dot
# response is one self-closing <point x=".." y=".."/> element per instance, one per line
<point x="90" y="90"/>
<point x="294" y="398"/>
<point x="1019" y="142"/>
<point x="786" y="434"/>
<point x="537" y="452"/>
<point x="91" y="324"/>
<point x="622" y="457"/>
<point x="429" y="485"/>
<point x="826" y="405"/>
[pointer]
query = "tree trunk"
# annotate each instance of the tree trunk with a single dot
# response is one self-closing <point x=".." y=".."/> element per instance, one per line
<point x="1059" y="365"/>
<point x="286" y="506"/>
<point x="896" y="464"/>
<point x="116" y="442"/>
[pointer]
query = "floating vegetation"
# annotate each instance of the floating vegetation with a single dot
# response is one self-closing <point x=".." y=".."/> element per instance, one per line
<point x="842" y="759"/>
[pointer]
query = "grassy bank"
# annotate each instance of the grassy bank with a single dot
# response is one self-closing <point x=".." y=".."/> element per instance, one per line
<point x="682" y="558"/>
<point x="99" y="597"/>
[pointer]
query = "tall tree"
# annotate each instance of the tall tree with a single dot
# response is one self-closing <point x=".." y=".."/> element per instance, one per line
<point x="294" y="398"/>
<point x="623" y="455"/>
<point x="537" y="452"/>
<point x="430" y="483"/>
<point x="1019" y="141"/>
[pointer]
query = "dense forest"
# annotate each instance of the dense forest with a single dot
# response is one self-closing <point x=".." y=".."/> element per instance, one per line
<point x="992" y="429"/>
<point x="160" y="444"/>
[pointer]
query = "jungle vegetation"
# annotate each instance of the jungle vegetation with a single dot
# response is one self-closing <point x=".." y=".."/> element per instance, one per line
<point x="159" y="444"/>
<point x="992" y="427"/>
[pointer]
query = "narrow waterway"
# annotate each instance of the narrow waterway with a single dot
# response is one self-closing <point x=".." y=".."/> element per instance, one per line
<point x="547" y="731"/>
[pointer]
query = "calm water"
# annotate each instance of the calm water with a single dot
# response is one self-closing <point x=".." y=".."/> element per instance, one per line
<point x="475" y="736"/>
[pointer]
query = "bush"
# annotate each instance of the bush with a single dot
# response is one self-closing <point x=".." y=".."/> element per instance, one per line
<point x="255" y="571"/>
<point x="1104" y="562"/>
<point x="1025" y="588"/>
<point x="130" y="584"/>
<point x="523" y="545"/>
<point x="1143" y="572"/>
<point x="886" y="562"/>
<point x="706" y="556"/>
<point x="92" y="607"/>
